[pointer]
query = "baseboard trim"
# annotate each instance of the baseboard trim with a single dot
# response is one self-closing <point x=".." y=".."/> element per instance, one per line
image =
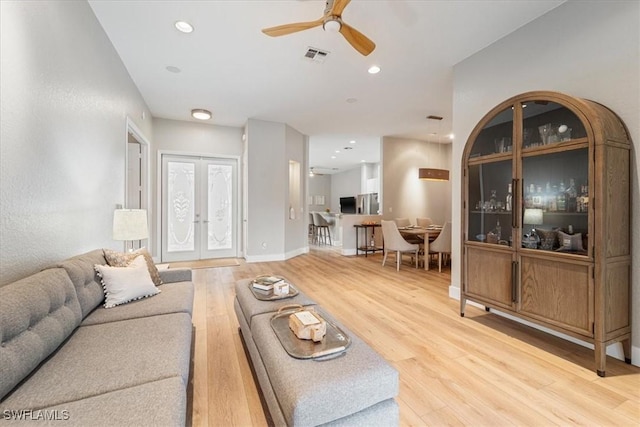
<point x="276" y="257"/>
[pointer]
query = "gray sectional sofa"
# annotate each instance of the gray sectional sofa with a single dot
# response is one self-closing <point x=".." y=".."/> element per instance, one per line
<point x="63" y="357"/>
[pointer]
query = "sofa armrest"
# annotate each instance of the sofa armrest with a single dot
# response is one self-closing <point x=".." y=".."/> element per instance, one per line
<point x="172" y="275"/>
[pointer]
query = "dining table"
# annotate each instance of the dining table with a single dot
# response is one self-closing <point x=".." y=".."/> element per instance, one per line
<point x="428" y="234"/>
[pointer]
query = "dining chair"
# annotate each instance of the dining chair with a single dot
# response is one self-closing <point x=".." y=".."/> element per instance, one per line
<point x="442" y="244"/>
<point x="322" y="228"/>
<point x="393" y="241"/>
<point x="423" y="222"/>
<point x="402" y="222"/>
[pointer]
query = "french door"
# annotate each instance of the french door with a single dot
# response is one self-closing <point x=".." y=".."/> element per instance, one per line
<point x="199" y="208"/>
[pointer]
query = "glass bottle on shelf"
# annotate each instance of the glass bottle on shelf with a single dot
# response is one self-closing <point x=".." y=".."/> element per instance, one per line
<point x="572" y="195"/>
<point x="498" y="230"/>
<point x="509" y="200"/>
<point x="493" y="201"/>
<point x="553" y="201"/>
<point x="561" y="198"/>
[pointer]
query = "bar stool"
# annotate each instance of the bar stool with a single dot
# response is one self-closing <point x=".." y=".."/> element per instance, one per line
<point x="312" y="228"/>
<point x="322" y="228"/>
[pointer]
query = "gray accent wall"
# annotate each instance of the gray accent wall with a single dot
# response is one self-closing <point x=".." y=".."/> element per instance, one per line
<point x="65" y="99"/>
<point x="271" y="235"/>
<point x="585" y="49"/>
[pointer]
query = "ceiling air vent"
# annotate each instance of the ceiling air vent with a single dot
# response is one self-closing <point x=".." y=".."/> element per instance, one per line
<point x="316" y="55"/>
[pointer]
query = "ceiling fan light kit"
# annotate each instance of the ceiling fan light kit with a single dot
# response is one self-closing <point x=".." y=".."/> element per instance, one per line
<point x="330" y="21"/>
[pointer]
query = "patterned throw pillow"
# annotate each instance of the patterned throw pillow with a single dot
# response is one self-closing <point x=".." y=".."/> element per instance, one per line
<point x="125" y="284"/>
<point x="570" y="242"/>
<point x="123" y="259"/>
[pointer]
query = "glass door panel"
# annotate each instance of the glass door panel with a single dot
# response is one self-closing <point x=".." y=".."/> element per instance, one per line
<point x="556" y="200"/>
<point x="181" y="211"/>
<point x="491" y="203"/>
<point x="496" y="137"/>
<point x="220" y="235"/>
<point x="547" y="122"/>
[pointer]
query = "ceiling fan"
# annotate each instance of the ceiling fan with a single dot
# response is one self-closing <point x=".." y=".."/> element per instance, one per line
<point x="331" y="21"/>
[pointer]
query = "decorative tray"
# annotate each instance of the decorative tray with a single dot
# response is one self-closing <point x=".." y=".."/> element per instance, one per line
<point x="268" y="295"/>
<point x="333" y="343"/>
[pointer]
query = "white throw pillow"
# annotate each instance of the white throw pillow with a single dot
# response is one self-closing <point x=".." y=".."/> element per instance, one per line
<point x="124" y="284"/>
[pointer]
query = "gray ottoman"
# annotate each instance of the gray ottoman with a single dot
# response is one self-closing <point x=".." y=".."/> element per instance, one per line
<point x="356" y="388"/>
<point x="251" y="306"/>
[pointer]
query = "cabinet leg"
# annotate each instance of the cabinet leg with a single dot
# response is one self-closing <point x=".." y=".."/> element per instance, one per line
<point x="463" y="305"/>
<point x="626" y="349"/>
<point x="601" y="358"/>
<point x="487" y="309"/>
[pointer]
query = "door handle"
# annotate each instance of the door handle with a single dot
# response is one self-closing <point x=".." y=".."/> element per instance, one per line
<point x="514" y="281"/>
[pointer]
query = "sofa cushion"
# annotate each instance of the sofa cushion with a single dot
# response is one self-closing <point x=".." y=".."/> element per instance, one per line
<point x="104" y="358"/>
<point x="158" y="403"/>
<point x="175" y="275"/>
<point x="37" y="314"/>
<point x="175" y="298"/>
<point x="123" y="259"/>
<point x="125" y="284"/>
<point x="251" y="306"/>
<point x="85" y="279"/>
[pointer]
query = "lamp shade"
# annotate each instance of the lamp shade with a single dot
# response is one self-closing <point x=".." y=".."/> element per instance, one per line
<point x="430" y="174"/>
<point x="532" y="216"/>
<point x="130" y="224"/>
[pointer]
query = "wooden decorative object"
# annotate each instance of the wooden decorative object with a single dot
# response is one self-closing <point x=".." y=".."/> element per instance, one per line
<point x="306" y="324"/>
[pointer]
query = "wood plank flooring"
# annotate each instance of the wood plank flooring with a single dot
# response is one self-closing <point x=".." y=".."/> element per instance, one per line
<point x="477" y="370"/>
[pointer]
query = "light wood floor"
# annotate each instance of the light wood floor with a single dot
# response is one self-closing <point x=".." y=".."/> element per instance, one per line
<point x="476" y="370"/>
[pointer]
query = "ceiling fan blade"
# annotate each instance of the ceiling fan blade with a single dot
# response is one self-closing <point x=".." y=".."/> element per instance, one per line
<point x="359" y="41"/>
<point x="282" y="30"/>
<point x="338" y="7"/>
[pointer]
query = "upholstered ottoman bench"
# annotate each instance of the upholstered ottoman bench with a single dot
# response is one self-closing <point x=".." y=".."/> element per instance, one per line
<point x="356" y="387"/>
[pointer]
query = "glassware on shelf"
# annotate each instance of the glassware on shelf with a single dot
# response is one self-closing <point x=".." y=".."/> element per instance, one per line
<point x="509" y="200"/>
<point x="493" y="200"/>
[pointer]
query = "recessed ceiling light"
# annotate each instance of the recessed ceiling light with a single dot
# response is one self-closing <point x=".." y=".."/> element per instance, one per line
<point x="363" y="161"/>
<point x="201" y="114"/>
<point x="374" y="69"/>
<point x="352" y="142"/>
<point x="337" y="151"/>
<point x="333" y="157"/>
<point x="173" y="69"/>
<point x="184" y="27"/>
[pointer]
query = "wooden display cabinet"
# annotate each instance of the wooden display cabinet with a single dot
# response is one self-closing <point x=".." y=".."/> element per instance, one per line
<point x="546" y="217"/>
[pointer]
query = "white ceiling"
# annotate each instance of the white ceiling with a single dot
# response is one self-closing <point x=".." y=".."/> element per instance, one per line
<point x="231" y="68"/>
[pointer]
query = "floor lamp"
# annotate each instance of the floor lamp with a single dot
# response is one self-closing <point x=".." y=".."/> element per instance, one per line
<point x="130" y="225"/>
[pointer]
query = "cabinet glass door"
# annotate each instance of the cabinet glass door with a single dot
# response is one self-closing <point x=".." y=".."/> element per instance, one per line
<point x="491" y="203"/>
<point x="555" y="190"/>
<point x="490" y="195"/>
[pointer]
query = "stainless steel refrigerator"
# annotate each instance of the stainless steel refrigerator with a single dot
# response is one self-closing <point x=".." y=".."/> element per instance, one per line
<point x="368" y="204"/>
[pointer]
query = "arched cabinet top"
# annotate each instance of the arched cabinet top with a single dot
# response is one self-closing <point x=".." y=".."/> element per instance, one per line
<point x="542" y="120"/>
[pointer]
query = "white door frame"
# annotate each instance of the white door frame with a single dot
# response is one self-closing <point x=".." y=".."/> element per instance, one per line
<point x="236" y="192"/>
<point x="145" y="173"/>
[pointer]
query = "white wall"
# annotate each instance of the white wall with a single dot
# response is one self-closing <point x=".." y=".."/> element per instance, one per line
<point x="406" y="196"/>
<point x="65" y="99"/>
<point x="319" y="185"/>
<point x="586" y="49"/>
<point x="344" y="184"/>
<point x="270" y="233"/>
